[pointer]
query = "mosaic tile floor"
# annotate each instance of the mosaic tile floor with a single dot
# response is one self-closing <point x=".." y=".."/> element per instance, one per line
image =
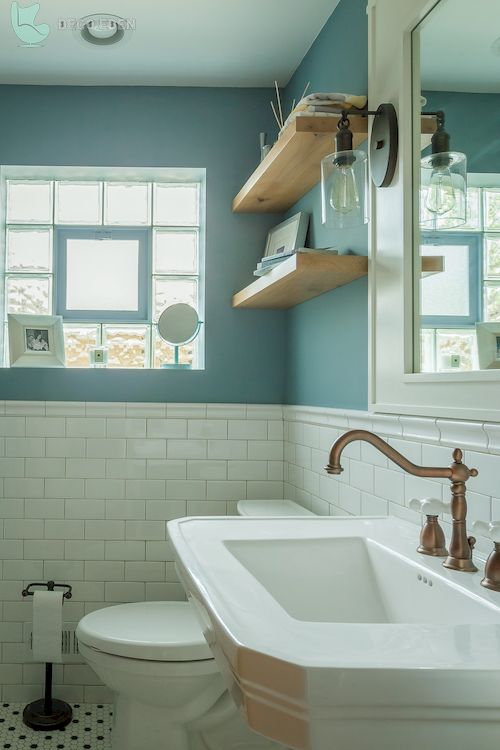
<point x="90" y="729"/>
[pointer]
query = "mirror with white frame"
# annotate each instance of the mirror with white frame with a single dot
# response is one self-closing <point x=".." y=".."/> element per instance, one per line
<point x="456" y="85"/>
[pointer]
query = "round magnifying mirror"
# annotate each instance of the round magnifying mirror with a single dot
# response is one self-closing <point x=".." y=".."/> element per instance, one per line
<point x="178" y="324"/>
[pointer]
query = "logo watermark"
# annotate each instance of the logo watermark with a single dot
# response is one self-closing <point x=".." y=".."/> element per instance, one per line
<point x="27" y="30"/>
<point x="96" y="24"/>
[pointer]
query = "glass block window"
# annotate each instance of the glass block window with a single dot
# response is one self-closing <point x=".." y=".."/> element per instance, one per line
<point x="448" y="350"/>
<point x="483" y="226"/>
<point x="452" y="348"/>
<point x="109" y="256"/>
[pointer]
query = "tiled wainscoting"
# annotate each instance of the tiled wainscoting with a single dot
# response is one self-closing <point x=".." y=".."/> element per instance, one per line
<point x="85" y="490"/>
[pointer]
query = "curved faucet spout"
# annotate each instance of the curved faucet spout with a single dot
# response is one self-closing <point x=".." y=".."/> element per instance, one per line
<point x="460" y="557"/>
<point x="335" y="467"/>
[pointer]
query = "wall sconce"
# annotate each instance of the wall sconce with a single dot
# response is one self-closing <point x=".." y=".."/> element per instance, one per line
<point x="443" y="183"/>
<point x="344" y="195"/>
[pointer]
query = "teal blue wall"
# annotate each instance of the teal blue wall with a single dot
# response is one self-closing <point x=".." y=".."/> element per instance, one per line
<point x="327" y="337"/>
<point x="162" y="127"/>
<point x="473" y="122"/>
<point x="315" y="353"/>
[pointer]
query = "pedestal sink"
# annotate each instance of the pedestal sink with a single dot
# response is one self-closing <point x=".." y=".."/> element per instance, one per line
<point x="334" y="633"/>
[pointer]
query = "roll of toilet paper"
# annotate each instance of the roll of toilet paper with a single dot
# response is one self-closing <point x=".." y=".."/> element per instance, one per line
<point x="47" y="626"/>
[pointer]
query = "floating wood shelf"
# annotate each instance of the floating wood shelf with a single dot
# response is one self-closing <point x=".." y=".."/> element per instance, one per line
<point x="306" y="275"/>
<point x="293" y="165"/>
<point x="301" y="277"/>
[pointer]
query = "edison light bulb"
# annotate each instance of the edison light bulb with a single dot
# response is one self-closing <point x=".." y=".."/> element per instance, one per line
<point x="344" y="196"/>
<point x="343" y="186"/>
<point x="441" y="194"/>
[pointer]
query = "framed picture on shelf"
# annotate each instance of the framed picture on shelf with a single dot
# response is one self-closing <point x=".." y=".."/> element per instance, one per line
<point x="36" y="341"/>
<point x="488" y="345"/>
<point x="287" y="237"/>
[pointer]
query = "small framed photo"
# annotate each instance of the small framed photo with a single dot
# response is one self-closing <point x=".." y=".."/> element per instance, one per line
<point x="36" y="341"/>
<point x="287" y="237"/>
<point x="488" y="345"/>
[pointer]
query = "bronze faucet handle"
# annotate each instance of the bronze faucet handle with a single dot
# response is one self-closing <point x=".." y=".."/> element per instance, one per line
<point x="491" y="578"/>
<point x="429" y="506"/>
<point x="490" y="530"/>
<point x="432" y="539"/>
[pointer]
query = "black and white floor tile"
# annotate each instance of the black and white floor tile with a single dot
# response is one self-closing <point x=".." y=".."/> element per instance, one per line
<point x="90" y="729"/>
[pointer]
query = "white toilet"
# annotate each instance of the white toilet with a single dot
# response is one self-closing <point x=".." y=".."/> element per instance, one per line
<point x="168" y="691"/>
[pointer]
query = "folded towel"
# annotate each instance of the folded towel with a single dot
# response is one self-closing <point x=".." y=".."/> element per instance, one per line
<point x="332" y="107"/>
<point x="350" y="100"/>
<point x="311" y="106"/>
<point x="316" y="113"/>
<point x="325" y="103"/>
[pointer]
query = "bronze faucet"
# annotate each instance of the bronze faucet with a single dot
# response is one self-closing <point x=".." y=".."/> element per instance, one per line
<point x="461" y="546"/>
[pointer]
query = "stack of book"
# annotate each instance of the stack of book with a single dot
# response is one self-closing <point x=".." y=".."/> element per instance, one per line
<point x="267" y="264"/>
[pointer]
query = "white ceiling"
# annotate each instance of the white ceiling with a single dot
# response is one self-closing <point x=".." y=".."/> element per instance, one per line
<point x="176" y="43"/>
<point x="456" y="41"/>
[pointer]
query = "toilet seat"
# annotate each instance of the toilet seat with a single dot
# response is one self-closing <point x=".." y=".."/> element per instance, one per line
<point x="151" y="631"/>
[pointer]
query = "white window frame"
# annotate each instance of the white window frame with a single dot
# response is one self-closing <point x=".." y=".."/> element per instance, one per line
<point x="63" y="233"/>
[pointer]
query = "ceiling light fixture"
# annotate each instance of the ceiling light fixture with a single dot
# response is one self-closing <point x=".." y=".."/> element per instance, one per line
<point x="103" y="29"/>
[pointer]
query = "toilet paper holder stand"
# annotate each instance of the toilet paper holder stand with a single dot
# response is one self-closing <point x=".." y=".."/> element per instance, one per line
<point x="48" y="712"/>
<point x="50" y="585"/>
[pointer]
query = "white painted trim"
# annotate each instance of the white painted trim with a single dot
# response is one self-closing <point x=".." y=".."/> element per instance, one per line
<point x="452" y="377"/>
<point x="393" y="388"/>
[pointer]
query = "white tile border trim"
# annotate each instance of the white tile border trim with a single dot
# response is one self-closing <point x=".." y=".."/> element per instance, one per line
<point x="479" y="436"/>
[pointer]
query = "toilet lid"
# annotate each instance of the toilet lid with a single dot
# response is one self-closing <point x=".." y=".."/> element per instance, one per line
<point x="155" y="631"/>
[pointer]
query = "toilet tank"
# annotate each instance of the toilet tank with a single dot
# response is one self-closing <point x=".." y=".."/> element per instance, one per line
<point x="271" y="508"/>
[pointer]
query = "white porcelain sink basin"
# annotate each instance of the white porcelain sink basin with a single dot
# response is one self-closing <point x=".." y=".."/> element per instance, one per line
<point x="334" y="633"/>
<point x="349" y="579"/>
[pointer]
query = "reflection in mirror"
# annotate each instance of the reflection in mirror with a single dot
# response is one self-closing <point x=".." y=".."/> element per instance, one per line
<point x="456" y="84"/>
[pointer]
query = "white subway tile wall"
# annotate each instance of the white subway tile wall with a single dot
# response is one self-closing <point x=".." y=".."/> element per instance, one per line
<point x="372" y="485"/>
<point x="85" y="494"/>
<point x="86" y="490"/>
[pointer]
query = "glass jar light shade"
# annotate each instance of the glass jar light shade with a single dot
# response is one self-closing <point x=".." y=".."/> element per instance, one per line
<point x="443" y="198"/>
<point x="343" y="189"/>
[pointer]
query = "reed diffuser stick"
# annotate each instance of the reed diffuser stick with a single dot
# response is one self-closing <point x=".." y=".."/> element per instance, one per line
<point x="306" y="89"/>
<point x="275" y="115"/>
<point x="278" y="98"/>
